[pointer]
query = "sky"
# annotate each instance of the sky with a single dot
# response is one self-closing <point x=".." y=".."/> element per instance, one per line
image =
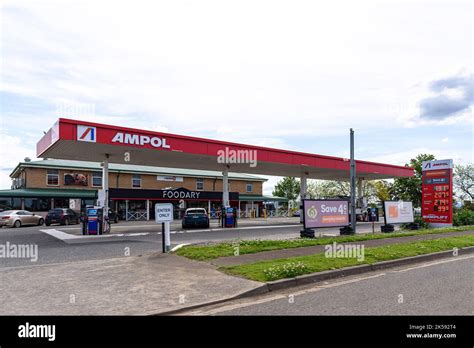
<point x="295" y="75"/>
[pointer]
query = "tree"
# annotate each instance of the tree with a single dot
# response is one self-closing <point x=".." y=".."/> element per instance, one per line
<point x="464" y="181"/>
<point x="328" y="188"/>
<point x="288" y="187"/>
<point x="332" y="188"/>
<point x="382" y="190"/>
<point x="409" y="189"/>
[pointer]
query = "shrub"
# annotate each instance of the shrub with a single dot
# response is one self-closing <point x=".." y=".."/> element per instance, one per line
<point x="287" y="270"/>
<point x="463" y="217"/>
<point x="419" y="220"/>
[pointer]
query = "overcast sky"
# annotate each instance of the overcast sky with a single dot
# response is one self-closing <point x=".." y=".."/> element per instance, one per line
<point x="288" y="74"/>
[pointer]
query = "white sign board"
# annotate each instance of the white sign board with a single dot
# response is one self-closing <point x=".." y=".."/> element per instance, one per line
<point x="163" y="212"/>
<point x="440" y="164"/>
<point x="169" y="178"/>
<point x="397" y="212"/>
<point x="101" y="198"/>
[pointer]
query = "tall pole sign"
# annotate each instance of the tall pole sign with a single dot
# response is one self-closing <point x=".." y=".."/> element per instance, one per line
<point x="353" y="185"/>
<point x="437" y="192"/>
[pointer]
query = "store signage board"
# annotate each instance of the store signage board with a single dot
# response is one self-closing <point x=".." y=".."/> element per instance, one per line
<point x="325" y="213"/>
<point x="398" y="212"/>
<point x="437" y="192"/>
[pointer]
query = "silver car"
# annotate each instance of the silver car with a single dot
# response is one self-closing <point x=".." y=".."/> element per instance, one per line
<point x="18" y="218"/>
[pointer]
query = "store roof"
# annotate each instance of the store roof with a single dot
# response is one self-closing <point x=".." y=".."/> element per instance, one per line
<point x="244" y="197"/>
<point x="49" y="192"/>
<point x="134" y="169"/>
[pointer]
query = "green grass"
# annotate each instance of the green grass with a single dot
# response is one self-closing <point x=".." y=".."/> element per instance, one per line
<point x="318" y="262"/>
<point x="212" y="251"/>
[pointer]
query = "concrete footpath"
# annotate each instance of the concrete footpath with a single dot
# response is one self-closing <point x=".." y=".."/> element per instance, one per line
<point x="150" y="284"/>
<point x="302" y="251"/>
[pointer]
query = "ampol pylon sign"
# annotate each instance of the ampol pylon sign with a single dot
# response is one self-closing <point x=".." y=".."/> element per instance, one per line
<point x="437" y="192"/>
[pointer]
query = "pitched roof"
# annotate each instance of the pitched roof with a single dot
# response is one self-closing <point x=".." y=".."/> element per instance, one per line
<point x="135" y="169"/>
<point x="48" y="192"/>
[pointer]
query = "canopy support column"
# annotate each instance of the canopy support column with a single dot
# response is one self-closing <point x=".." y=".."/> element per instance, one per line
<point x="225" y="187"/>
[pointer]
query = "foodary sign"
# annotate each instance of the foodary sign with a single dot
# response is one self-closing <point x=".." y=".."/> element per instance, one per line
<point x="437" y="192"/>
<point x="325" y="213"/>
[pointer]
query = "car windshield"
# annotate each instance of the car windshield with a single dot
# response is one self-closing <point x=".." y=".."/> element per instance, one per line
<point x="196" y="212"/>
<point x="55" y="211"/>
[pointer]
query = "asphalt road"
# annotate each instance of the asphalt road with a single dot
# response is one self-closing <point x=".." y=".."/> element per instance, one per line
<point x="52" y="250"/>
<point x="443" y="287"/>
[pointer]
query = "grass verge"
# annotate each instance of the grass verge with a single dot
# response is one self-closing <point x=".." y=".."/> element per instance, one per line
<point x="265" y="270"/>
<point x="212" y="251"/>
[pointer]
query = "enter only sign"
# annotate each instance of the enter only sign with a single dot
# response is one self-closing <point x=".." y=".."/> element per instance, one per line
<point x="163" y="212"/>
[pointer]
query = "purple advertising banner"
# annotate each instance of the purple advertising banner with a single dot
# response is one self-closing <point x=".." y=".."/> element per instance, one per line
<point x="325" y="213"/>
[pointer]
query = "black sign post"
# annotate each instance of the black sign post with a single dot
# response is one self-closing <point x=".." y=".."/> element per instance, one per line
<point x="163" y="236"/>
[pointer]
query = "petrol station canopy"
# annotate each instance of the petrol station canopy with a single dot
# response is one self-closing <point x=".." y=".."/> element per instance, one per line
<point x="87" y="141"/>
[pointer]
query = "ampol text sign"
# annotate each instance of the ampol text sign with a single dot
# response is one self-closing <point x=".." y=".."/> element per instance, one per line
<point x="325" y="213"/>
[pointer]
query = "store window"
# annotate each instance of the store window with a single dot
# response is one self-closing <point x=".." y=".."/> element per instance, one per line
<point x="16" y="203"/>
<point x="52" y="178"/>
<point x="61" y="202"/>
<point x="199" y="184"/>
<point x="97" y="179"/>
<point x="249" y="187"/>
<point x="43" y="204"/>
<point x="10" y="203"/>
<point x="136" y="181"/>
<point x="30" y="204"/>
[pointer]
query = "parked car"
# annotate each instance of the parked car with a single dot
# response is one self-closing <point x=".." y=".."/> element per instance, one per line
<point x="18" y="218"/>
<point x="195" y="217"/>
<point x="61" y="216"/>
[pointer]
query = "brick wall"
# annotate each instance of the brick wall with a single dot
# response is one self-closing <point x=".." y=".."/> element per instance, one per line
<point x="36" y="178"/>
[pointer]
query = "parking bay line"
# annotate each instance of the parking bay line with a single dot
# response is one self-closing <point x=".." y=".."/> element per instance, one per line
<point x="72" y="239"/>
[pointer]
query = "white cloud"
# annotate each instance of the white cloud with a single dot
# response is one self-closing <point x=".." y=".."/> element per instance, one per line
<point x="12" y="150"/>
<point x="403" y="157"/>
<point x="259" y="72"/>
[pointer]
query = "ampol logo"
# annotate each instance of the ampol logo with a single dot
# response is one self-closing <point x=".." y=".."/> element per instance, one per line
<point x="86" y="133"/>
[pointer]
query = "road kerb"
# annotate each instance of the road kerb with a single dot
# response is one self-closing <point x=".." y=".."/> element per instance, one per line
<point x="354" y="270"/>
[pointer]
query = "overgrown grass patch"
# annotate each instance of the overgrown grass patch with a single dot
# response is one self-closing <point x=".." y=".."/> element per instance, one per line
<point x="318" y="262"/>
<point x="212" y="251"/>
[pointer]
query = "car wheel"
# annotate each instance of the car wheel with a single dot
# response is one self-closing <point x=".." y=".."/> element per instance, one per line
<point x="48" y="223"/>
<point x="40" y="222"/>
<point x="116" y="220"/>
<point x="66" y="221"/>
<point x="17" y="224"/>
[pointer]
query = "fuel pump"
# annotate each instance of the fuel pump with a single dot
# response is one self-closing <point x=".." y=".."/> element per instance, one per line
<point x="229" y="217"/>
<point x="93" y="221"/>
